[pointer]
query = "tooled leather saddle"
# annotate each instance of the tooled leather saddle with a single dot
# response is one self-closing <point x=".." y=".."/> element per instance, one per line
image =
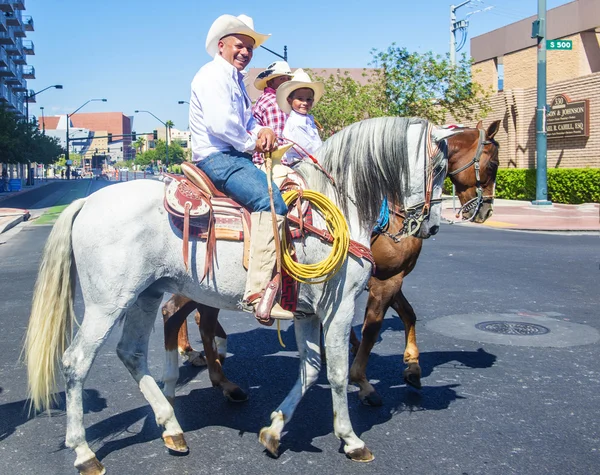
<point x="198" y="209"/>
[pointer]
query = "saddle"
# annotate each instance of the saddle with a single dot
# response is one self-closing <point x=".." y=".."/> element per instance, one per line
<point x="198" y="209"/>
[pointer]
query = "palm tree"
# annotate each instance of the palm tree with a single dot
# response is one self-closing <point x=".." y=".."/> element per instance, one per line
<point x="170" y="124"/>
<point x="139" y="144"/>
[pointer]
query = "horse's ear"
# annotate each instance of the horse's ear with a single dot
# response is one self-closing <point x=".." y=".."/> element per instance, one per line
<point x="493" y="129"/>
<point x="479" y="125"/>
<point x="440" y="133"/>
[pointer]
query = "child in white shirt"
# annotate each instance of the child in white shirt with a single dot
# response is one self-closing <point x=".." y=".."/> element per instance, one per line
<point x="297" y="97"/>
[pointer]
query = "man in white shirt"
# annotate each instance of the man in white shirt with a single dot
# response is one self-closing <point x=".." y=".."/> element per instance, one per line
<point x="224" y="135"/>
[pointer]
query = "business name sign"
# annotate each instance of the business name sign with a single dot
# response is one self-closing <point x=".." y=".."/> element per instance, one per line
<point x="568" y="118"/>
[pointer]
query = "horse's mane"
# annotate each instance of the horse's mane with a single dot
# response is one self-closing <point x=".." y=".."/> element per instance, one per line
<point x="369" y="160"/>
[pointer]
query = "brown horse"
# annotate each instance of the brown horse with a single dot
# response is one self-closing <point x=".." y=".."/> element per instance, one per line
<point x="472" y="167"/>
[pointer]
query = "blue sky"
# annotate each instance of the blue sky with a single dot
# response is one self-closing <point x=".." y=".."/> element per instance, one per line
<point x="143" y="54"/>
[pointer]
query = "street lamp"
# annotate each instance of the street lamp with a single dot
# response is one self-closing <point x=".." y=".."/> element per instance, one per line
<point x="284" y="57"/>
<point x="43" y="121"/>
<point x="32" y="95"/>
<point x="166" y="133"/>
<point x="68" y="118"/>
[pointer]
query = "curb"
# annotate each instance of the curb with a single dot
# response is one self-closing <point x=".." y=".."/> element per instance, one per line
<point x="9" y="222"/>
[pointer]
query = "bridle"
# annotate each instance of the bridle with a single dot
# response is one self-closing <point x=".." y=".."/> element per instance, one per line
<point x="415" y="215"/>
<point x="474" y="204"/>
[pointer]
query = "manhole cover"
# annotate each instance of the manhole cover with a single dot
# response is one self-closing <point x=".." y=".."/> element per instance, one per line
<point x="512" y="328"/>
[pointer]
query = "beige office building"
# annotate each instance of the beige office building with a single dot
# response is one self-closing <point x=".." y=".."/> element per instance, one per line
<point x="506" y="63"/>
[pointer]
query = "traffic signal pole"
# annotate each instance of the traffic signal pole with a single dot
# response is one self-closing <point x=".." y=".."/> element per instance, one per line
<point x="541" y="136"/>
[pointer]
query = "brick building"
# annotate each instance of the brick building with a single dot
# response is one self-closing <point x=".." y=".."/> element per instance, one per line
<point x="505" y="61"/>
<point x="88" y="133"/>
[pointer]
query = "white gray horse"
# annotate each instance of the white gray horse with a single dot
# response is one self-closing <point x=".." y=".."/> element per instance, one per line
<point x="122" y="245"/>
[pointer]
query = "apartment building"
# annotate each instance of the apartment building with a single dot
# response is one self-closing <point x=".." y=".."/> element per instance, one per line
<point x="14" y="50"/>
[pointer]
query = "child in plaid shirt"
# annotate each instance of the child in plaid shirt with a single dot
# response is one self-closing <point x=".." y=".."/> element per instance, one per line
<point x="266" y="111"/>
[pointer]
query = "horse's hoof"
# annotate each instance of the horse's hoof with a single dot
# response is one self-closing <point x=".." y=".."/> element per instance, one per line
<point x="412" y="375"/>
<point x="91" y="467"/>
<point x="196" y="358"/>
<point x="237" y="395"/>
<point x="270" y="441"/>
<point x="361" y="455"/>
<point x="176" y="443"/>
<point x="372" y="399"/>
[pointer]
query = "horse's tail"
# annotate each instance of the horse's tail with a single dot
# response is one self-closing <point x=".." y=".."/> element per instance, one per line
<point x="52" y="314"/>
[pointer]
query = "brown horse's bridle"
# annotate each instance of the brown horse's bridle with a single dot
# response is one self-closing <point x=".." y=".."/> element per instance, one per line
<point x="474" y="204"/>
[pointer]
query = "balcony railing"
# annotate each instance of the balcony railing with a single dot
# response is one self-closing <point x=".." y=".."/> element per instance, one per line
<point x="18" y="31"/>
<point x="20" y="87"/>
<point x="16" y="49"/>
<point x="7" y="37"/>
<point x="20" y="59"/>
<point x="18" y="4"/>
<point x="3" y="93"/>
<point x="28" y="23"/>
<point x="15" y="80"/>
<point x="29" y="72"/>
<point x="14" y="19"/>
<point x="3" y="57"/>
<point x="10" y="70"/>
<point x="3" y="22"/>
<point x="28" y="47"/>
<point x="6" y="6"/>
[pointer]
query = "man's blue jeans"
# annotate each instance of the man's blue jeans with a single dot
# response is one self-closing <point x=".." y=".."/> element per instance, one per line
<point x="234" y="174"/>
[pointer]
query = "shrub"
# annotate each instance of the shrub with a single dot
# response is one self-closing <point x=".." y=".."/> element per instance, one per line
<point x="565" y="185"/>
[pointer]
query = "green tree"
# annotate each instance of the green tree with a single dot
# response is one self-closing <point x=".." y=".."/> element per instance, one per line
<point x="428" y="86"/>
<point x="22" y="142"/>
<point x="175" y="152"/>
<point x="139" y="144"/>
<point x="146" y="158"/>
<point x="346" y="100"/>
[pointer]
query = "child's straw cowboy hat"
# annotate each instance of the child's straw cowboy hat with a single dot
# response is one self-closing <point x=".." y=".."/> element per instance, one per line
<point x="227" y="25"/>
<point x="300" y="80"/>
<point x="275" y="70"/>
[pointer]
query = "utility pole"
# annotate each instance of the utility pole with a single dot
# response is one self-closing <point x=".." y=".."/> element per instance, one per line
<point x="455" y="25"/>
<point x="541" y="174"/>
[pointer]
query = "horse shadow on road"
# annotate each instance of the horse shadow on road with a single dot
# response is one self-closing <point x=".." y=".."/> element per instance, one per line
<point x="267" y="373"/>
<point x="15" y="414"/>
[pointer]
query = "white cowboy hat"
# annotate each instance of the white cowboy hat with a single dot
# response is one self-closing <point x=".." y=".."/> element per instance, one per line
<point x="274" y="70"/>
<point x="232" y="25"/>
<point x="299" y="80"/>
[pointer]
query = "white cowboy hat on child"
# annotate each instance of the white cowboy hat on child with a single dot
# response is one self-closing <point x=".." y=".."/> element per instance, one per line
<point x="227" y="25"/>
<point x="299" y="80"/>
<point x="274" y="70"/>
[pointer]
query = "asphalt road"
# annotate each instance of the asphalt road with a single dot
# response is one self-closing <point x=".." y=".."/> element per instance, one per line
<point x="485" y="408"/>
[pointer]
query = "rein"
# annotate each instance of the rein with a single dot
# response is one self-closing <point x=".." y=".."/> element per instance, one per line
<point x="474" y="204"/>
<point x="415" y="216"/>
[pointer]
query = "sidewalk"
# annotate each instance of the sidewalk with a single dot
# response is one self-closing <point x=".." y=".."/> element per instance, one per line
<point x="524" y="216"/>
<point x="508" y="214"/>
<point x="10" y="217"/>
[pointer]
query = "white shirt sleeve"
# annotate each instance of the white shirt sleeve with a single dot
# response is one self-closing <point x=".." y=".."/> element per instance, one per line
<point x="222" y="110"/>
<point x="302" y="131"/>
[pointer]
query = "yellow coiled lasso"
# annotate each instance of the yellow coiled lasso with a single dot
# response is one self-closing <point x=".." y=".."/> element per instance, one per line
<point x="337" y="227"/>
